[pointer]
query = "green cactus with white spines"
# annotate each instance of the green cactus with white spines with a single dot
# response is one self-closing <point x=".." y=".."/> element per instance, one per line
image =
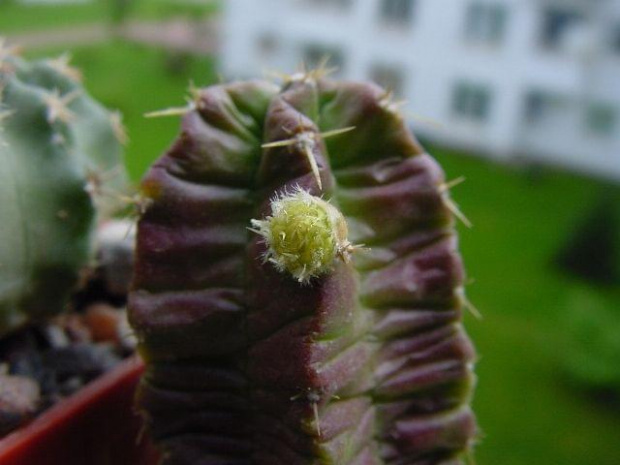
<point x="60" y="157"/>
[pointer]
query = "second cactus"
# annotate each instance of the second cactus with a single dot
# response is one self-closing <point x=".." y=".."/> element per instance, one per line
<point x="58" y="149"/>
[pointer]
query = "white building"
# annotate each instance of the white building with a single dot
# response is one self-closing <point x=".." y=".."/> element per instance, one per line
<point x="530" y="79"/>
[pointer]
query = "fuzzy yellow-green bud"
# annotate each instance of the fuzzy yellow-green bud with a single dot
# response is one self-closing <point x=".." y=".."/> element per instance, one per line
<point x="304" y="235"/>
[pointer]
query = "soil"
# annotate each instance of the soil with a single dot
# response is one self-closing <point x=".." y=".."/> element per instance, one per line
<point x="44" y="362"/>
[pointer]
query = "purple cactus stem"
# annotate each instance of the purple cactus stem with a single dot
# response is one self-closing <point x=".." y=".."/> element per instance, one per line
<point x="367" y="363"/>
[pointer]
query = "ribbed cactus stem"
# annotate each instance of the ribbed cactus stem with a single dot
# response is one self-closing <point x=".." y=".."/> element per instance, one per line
<point x="278" y="346"/>
<point x="54" y="141"/>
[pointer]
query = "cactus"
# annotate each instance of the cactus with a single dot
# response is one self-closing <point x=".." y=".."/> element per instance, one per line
<point x="260" y="351"/>
<point x="58" y="149"/>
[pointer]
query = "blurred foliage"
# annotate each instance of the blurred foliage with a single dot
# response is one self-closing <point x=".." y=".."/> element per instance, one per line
<point x="17" y="18"/>
<point x="591" y="315"/>
<point x="592" y="251"/>
<point x="177" y="62"/>
<point x="120" y="10"/>
<point x="592" y="354"/>
<point x="190" y="9"/>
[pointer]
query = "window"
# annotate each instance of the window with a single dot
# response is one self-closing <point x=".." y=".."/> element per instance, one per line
<point x="485" y="23"/>
<point x="615" y="40"/>
<point x="601" y="119"/>
<point x="557" y="27"/>
<point x="538" y="106"/>
<point x="471" y="101"/>
<point x="315" y="55"/>
<point x="267" y="44"/>
<point x="545" y="107"/>
<point x="391" y="78"/>
<point x="397" y="12"/>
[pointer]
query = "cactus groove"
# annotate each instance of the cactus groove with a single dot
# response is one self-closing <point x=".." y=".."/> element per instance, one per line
<point x="366" y="364"/>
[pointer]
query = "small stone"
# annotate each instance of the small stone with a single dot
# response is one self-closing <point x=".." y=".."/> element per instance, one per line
<point x="126" y="337"/>
<point x="75" y="328"/>
<point x="87" y="361"/>
<point x="115" y="251"/>
<point x="103" y="321"/>
<point x="27" y="363"/>
<point x="55" y="336"/>
<point x="19" y="401"/>
<point x="70" y="386"/>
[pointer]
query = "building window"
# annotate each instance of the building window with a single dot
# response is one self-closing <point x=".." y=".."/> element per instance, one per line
<point x="486" y="22"/>
<point x="396" y="12"/>
<point x="471" y="101"/>
<point x="391" y="78"/>
<point x="557" y="27"/>
<point x="615" y="40"/>
<point x="538" y="105"/>
<point x="267" y="44"/>
<point x="316" y="55"/>
<point x="601" y="119"/>
<point x="545" y="107"/>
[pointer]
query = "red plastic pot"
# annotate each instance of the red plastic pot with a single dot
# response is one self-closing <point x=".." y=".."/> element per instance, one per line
<point x="96" y="426"/>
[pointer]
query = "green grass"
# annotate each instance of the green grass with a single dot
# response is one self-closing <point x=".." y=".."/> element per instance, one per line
<point x="132" y="79"/>
<point x="529" y="413"/>
<point x="16" y="18"/>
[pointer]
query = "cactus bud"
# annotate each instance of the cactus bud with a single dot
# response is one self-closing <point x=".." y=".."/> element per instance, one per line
<point x="304" y="234"/>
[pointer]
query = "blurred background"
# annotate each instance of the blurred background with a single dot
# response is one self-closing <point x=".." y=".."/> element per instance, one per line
<point x="522" y="98"/>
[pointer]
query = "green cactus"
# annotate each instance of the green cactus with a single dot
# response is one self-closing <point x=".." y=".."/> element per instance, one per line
<point x="58" y="150"/>
<point x="261" y="352"/>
